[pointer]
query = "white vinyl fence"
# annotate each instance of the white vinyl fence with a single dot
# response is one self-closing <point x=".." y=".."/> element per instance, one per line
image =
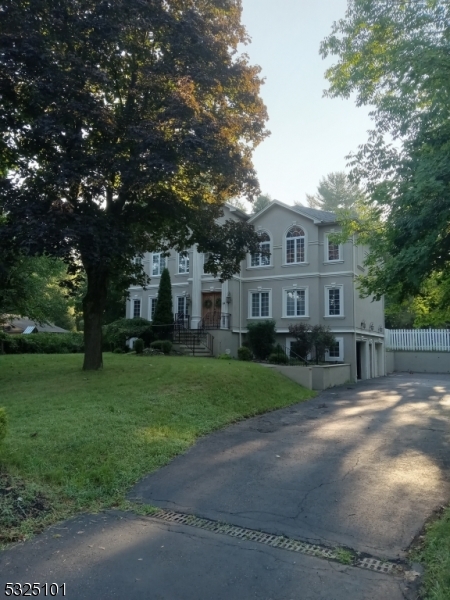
<point x="418" y="339"/>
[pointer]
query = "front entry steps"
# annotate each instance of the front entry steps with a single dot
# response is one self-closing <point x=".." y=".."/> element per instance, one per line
<point x="192" y="343"/>
<point x="200" y="350"/>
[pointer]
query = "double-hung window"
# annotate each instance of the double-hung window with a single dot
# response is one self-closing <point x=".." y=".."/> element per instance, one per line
<point x="295" y="245"/>
<point x="336" y="351"/>
<point x="262" y="258"/>
<point x="183" y="263"/>
<point x="259" y="305"/>
<point x="151" y="307"/>
<point x="333" y="251"/>
<point x="136" y="309"/>
<point x="158" y="263"/>
<point x="334" y="301"/>
<point x="295" y="303"/>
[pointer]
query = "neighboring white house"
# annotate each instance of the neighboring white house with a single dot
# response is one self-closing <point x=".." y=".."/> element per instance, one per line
<point x="306" y="278"/>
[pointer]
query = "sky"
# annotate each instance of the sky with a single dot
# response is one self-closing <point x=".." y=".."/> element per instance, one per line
<point x="310" y="135"/>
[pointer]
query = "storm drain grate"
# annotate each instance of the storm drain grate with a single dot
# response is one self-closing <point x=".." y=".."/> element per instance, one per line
<point x="276" y="541"/>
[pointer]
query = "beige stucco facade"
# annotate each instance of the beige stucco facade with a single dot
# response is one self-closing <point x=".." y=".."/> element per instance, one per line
<point x="297" y="283"/>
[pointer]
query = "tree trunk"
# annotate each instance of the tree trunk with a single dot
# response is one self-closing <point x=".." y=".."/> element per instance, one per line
<point x="94" y="304"/>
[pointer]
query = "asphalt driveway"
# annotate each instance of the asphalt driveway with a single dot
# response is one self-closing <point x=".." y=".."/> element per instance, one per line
<point x="360" y="466"/>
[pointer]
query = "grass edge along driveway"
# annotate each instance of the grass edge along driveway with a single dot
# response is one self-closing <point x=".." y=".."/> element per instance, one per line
<point x="77" y="441"/>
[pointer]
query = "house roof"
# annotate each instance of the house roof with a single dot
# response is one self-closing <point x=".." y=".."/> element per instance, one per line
<point x="320" y="217"/>
<point x="21" y="324"/>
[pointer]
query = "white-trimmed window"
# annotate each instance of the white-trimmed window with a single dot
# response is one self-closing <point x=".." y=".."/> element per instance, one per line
<point x="259" y="304"/>
<point x="295" y="302"/>
<point x="183" y="263"/>
<point x="334" y="301"/>
<point x="151" y="307"/>
<point x="333" y="251"/>
<point x="260" y="259"/>
<point x="158" y="263"/>
<point x="295" y="245"/>
<point x="181" y="305"/>
<point x="336" y="352"/>
<point x="136" y="308"/>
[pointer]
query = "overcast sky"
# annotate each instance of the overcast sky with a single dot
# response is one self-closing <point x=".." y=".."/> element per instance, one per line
<point x="311" y="135"/>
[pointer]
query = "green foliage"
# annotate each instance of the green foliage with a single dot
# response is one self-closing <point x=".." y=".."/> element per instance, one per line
<point x="336" y="192"/>
<point x="435" y="556"/>
<point x="385" y="53"/>
<point x="30" y="287"/>
<point x="116" y="334"/>
<point x="166" y="346"/>
<point x="44" y="343"/>
<point x="321" y="340"/>
<point x="163" y="345"/>
<point x="261" y="202"/>
<point x="144" y="128"/>
<point x="88" y="437"/>
<point x="138" y="346"/>
<point x="308" y="339"/>
<point x="261" y="336"/>
<point x="225" y="356"/>
<point x="3" y="424"/>
<point x="278" y="358"/>
<point x="302" y="346"/>
<point x="118" y="351"/>
<point x="163" y="318"/>
<point x="244" y="353"/>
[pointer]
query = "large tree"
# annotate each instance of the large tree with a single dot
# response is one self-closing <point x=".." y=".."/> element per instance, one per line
<point x="129" y="124"/>
<point x="336" y="192"/>
<point x="394" y="56"/>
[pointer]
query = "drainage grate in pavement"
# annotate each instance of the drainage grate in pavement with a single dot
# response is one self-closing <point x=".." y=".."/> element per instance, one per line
<point x="276" y="541"/>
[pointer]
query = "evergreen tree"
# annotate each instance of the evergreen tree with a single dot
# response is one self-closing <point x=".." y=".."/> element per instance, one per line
<point x="163" y="318"/>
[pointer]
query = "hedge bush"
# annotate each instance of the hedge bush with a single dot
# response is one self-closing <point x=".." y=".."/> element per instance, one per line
<point x="261" y="336"/>
<point x="138" y="346"/>
<point x="117" y="333"/>
<point x="279" y="358"/>
<point x="244" y="353"/>
<point x="44" y="343"/>
<point x="163" y="345"/>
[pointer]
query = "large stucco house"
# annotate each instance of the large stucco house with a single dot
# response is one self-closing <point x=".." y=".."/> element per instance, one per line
<point x="305" y="278"/>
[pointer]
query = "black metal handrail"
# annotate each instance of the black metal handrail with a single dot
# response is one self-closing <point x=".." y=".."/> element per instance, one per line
<point x="216" y="320"/>
<point x="182" y="320"/>
<point x="193" y="338"/>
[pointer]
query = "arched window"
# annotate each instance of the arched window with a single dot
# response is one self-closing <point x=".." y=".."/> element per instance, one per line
<point x="295" y="245"/>
<point x="262" y="259"/>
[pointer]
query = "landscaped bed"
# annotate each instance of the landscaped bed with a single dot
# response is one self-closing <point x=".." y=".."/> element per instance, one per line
<point x="79" y="440"/>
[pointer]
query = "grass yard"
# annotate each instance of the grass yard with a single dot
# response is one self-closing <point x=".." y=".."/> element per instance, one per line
<point x="435" y="556"/>
<point x="78" y="441"/>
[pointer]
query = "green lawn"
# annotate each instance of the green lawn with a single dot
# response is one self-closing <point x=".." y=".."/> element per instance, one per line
<point x="435" y="556"/>
<point x="78" y="441"/>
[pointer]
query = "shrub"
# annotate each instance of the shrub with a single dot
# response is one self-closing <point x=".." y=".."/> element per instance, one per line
<point x="244" y="353"/>
<point x="166" y="346"/>
<point x="224" y="356"/>
<point x="322" y="340"/>
<point x="3" y="424"/>
<point x="118" y="351"/>
<point x="138" y="346"/>
<point x="44" y="343"/>
<point x="279" y="358"/>
<point x="261" y="336"/>
<point x="302" y="333"/>
<point x="163" y="317"/>
<point x="163" y="345"/>
<point x="117" y="333"/>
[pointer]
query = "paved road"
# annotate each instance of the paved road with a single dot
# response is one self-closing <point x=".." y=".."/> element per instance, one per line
<point x="363" y="467"/>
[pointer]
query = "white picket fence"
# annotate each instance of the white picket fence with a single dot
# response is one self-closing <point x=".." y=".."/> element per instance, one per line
<point x="418" y="339"/>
